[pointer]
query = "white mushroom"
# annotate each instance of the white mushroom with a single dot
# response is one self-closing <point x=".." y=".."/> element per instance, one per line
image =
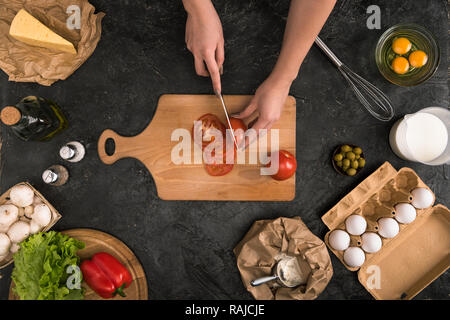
<point x="21" y="195"/>
<point x="5" y="244"/>
<point x="34" y="227"/>
<point x="28" y="211"/>
<point x="19" y="231"/>
<point x="42" y="215"/>
<point x="36" y="201"/>
<point x="14" y="248"/>
<point x="9" y="214"/>
<point x="3" y="257"/>
<point x="21" y="212"/>
<point x="25" y="219"/>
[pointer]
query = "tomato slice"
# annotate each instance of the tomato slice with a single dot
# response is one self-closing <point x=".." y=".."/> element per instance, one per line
<point x="218" y="169"/>
<point x="209" y="121"/>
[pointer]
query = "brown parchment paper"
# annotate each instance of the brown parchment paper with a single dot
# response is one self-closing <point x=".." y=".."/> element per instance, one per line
<point x="257" y="254"/>
<point x="25" y="63"/>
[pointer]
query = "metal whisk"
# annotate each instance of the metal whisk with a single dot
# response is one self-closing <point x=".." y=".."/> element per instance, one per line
<point x="372" y="98"/>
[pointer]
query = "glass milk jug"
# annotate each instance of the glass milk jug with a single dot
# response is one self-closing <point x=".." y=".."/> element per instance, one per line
<point x="423" y="136"/>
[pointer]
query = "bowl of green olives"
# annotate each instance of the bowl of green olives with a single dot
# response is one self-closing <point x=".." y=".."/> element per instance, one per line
<point x="348" y="159"/>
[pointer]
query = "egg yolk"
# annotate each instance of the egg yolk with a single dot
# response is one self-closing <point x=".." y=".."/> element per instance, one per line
<point x="418" y="58"/>
<point x="401" y="45"/>
<point x="400" y="65"/>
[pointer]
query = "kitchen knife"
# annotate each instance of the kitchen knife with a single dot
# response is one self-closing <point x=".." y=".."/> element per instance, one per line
<point x="219" y="95"/>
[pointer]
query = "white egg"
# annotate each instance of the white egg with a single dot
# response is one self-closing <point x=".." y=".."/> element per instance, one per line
<point x="355" y="225"/>
<point x="354" y="257"/>
<point x="405" y="213"/>
<point x="371" y="242"/>
<point x="388" y="228"/>
<point x="421" y="198"/>
<point x="339" y="240"/>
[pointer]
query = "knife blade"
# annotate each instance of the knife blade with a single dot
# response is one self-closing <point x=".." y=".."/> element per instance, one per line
<point x="219" y="95"/>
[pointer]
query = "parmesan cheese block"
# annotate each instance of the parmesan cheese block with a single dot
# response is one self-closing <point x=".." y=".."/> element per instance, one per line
<point x="30" y="30"/>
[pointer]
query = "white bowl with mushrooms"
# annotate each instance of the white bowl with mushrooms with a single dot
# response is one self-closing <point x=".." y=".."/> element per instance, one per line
<point x="23" y="212"/>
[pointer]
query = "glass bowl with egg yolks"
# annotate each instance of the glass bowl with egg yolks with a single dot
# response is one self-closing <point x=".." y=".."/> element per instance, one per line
<point x="420" y="42"/>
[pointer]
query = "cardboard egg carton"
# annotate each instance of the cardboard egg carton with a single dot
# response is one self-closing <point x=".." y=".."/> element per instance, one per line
<point x="416" y="256"/>
<point x="55" y="217"/>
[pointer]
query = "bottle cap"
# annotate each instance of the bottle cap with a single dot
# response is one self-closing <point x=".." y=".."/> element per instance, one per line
<point x="49" y="176"/>
<point x="10" y="115"/>
<point x="67" y="152"/>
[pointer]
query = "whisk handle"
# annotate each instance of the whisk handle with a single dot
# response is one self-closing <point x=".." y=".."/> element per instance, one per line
<point x="328" y="52"/>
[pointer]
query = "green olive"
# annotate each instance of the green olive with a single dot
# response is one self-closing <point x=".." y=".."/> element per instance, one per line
<point x="346" y="148"/>
<point x="350" y="155"/>
<point x="357" y="150"/>
<point x="357" y="156"/>
<point x="362" y="162"/>
<point x="355" y="164"/>
<point x="346" y="163"/>
<point x="351" y="171"/>
<point x="338" y="157"/>
<point x="339" y="163"/>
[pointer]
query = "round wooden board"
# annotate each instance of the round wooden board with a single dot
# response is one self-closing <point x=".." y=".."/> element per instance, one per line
<point x="97" y="241"/>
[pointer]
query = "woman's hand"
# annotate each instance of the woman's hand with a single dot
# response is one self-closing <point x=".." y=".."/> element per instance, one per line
<point x="305" y="20"/>
<point x="204" y="38"/>
<point x="268" y="102"/>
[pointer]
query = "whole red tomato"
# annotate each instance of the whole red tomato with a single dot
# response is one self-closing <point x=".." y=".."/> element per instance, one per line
<point x="287" y="165"/>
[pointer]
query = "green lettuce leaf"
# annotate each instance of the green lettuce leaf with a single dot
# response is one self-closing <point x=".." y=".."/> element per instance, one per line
<point x="40" y="267"/>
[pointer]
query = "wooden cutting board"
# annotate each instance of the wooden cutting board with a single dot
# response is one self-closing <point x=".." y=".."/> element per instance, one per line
<point x="153" y="148"/>
<point x="97" y="241"/>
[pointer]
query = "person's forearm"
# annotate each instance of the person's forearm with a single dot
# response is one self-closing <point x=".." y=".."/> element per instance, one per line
<point x="196" y="6"/>
<point x="305" y="20"/>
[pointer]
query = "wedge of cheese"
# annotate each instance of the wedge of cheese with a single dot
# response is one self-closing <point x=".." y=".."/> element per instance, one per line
<point x="30" y="30"/>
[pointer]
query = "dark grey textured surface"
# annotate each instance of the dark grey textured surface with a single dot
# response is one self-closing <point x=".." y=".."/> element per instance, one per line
<point x="186" y="247"/>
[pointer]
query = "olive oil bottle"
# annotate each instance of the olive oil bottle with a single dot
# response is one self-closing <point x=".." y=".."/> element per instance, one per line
<point x="34" y="119"/>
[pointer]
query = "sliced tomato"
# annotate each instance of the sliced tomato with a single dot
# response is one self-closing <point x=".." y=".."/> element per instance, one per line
<point x="209" y="121"/>
<point x="218" y="169"/>
<point x="222" y="153"/>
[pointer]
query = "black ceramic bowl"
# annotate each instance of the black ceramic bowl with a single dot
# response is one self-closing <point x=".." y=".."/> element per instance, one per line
<point x="339" y="169"/>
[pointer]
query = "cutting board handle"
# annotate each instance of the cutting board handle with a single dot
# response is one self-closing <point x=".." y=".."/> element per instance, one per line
<point x="109" y="134"/>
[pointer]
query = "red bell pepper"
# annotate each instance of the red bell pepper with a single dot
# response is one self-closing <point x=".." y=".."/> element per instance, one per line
<point x="106" y="275"/>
